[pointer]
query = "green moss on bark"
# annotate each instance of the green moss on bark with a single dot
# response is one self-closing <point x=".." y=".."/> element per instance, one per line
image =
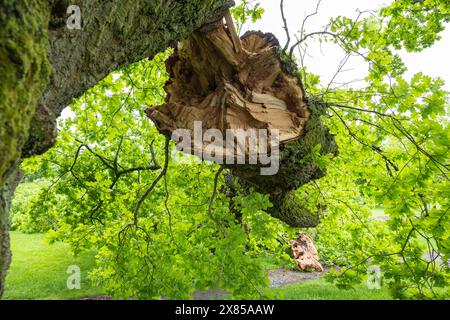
<point x="289" y="208"/>
<point x="24" y="72"/>
<point x="297" y="167"/>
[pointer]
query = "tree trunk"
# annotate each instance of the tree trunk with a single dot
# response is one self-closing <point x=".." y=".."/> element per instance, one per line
<point x="34" y="39"/>
<point x="6" y="193"/>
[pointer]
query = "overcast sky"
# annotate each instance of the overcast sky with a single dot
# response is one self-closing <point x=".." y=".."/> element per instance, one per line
<point x="324" y="60"/>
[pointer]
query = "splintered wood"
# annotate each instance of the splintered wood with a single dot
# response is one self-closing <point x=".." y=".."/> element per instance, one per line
<point x="231" y="83"/>
<point x="231" y="100"/>
<point x="305" y="253"/>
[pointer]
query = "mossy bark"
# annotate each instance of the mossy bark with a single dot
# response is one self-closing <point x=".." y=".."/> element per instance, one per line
<point x="297" y="167"/>
<point x="24" y="72"/>
<point x="6" y="193"/>
<point x="44" y="65"/>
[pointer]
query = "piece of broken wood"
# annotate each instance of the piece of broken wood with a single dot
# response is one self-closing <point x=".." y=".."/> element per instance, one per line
<point x="305" y="253"/>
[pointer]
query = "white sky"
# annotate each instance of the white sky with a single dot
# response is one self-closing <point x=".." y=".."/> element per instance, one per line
<point x="324" y="60"/>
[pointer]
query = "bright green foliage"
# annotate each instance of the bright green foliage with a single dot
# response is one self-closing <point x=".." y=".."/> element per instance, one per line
<point x="394" y="140"/>
<point x="394" y="152"/>
<point x="246" y="10"/>
<point x="415" y="24"/>
<point x="39" y="271"/>
<point x="103" y="164"/>
<point x="31" y="212"/>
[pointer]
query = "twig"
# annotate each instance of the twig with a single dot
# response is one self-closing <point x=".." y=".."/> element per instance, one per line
<point x="302" y="30"/>
<point x="154" y="183"/>
<point x="339" y="105"/>
<point x="389" y="163"/>
<point x="102" y="159"/>
<point x="213" y="196"/>
<point x="119" y="148"/>
<point x="304" y="38"/>
<point x="285" y="27"/>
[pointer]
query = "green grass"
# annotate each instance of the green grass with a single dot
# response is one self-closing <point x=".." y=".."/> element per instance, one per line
<point x="321" y="290"/>
<point x="39" y="270"/>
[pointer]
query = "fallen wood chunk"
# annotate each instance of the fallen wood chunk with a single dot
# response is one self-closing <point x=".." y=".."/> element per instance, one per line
<point x="305" y="253"/>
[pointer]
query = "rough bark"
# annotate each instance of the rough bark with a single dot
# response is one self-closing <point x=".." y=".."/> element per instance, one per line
<point x="6" y="193"/>
<point x="24" y="72"/>
<point x="34" y="40"/>
<point x="226" y="83"/>
<point x="113" y="34"/>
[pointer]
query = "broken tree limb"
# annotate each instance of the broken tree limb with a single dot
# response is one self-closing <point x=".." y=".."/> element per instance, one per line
<point x="253" y="88"/>
<point x="205" y="70"/>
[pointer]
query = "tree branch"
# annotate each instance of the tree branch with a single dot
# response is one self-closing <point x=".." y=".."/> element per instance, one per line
<point x="154" y="183"/>
<point x="285" y="26"/>
<point x="211" y="200"/>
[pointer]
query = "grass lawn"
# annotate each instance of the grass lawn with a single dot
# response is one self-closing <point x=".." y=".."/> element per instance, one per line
<point x="39" y="271"/>
<point x="321" y="290"/>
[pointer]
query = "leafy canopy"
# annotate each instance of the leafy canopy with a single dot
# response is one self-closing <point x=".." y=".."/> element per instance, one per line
<point x="394" y="140"/>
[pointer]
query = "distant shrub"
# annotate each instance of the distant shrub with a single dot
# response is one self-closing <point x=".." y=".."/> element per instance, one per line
<point x="29" y="213"/>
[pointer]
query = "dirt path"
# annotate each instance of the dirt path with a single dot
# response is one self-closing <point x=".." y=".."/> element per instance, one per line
<point x="282" y="277"/>
<point x="278" y="278"/>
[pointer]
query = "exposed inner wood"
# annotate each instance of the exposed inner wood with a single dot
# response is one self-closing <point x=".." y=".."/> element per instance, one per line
<point x="305" y="253"/>
<point x="233" y="33"/>
<point x="227" y="83"/>
<point x="229" y="86"/>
